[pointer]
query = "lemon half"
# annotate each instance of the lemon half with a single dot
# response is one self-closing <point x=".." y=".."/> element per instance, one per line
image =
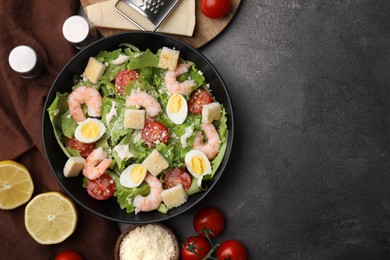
<point x="16" y="185"/>
<point x="50" y="218"/>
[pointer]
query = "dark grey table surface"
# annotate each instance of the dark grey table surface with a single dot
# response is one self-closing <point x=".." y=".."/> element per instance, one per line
<point x="309" y="173"/>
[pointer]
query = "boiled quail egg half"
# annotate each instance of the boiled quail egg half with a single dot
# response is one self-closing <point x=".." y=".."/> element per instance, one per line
<point x="197" y="163"/>
<point x="90" y="130"/>
<point x="133" y="175"/>
<point x="177" y="109"/>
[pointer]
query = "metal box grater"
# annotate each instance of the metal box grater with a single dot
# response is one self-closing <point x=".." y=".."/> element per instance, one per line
<point x="154" y="10"/>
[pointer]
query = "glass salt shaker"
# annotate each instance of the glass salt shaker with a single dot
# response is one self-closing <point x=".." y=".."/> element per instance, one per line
<point x="24" y="60"/>
<point x="78" y="31"/>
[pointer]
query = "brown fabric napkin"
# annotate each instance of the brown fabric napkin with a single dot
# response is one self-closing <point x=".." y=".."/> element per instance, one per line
<point x="38" y="24"/>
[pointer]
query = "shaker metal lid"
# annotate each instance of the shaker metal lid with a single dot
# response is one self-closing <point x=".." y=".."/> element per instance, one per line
<point x="75" y="29"/>
<point x="22" y="59"/>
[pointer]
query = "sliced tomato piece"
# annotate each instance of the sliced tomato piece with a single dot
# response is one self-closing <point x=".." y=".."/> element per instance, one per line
<point x="177" y="176"/>
<point x="123" y="78"/>
<point x="102" y="188"/>
<point x="198" y="98"/>
<point x="83" y="148"/>
<point x="154" y="133"/>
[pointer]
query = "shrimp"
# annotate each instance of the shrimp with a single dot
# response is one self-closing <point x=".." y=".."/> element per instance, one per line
<point x="146" y="101"/>
<point x="85" y="95"/>
<point x="174" y="86"/>
<point x="153" y="200"/>
<point x="211" y="148"/>
<point x="96" y="164"/>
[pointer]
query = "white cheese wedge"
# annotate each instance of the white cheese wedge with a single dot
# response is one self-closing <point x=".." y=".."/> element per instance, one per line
<point x="181" y="21"/>
<point x="94" y="70"/>
<point x="73" y="166"/>
<point x="174" y="197"/>
<point x="155" y="163"/>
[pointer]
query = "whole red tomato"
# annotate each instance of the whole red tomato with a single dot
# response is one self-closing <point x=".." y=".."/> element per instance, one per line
<point x="215" y="8"/>
<point x="210" y="220"/>
<point x="195" y="248"/>
<point x="231" y="249"/>
<point x="68" y="255"/>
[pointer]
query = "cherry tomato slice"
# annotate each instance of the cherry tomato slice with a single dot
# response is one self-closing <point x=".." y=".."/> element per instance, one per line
<point x="123" y="78"/>
<point x="195" y="248"/>
<point x="231" y="249"/>
<point x="176" y="176"/>
<point x="102" y="188"/>
<point x="198" y="98"/>
<point x="210" y="219"/>
<point x="215" y="8"/>
<point x="84" y="149"/>
<point x="68" y="255"/>
<point x="154" y="133"/>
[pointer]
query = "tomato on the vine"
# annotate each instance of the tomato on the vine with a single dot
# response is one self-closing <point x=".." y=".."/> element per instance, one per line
<point x="209" y="220"/>
<point x="68" y="255"/>
<point x="215" y="8"/>
<point x="231" y="249"/>
<point x="195" y="248"/>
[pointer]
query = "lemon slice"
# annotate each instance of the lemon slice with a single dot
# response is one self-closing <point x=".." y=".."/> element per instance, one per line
<point x="50" y="218"/>
<point x="16" y="186"/>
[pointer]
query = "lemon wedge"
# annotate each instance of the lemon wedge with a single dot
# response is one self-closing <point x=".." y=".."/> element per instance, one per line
<point x="50" y="218"/>
<point x="16" y="185"/>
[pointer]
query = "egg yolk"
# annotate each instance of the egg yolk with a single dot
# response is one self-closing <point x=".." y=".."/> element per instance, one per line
<point x="175" y="103"/>
<point x="137" y="173"/>
<point x="90" y="130"/>
<point x="198" y="165"/>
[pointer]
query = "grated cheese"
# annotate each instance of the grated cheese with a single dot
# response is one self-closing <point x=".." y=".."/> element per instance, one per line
<point x="147" y="242"/>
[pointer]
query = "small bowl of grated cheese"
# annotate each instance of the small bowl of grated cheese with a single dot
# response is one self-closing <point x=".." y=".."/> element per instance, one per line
<point x="147" y="241"/>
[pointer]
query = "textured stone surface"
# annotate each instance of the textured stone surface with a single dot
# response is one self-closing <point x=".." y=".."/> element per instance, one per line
<point x="309" y="174"/>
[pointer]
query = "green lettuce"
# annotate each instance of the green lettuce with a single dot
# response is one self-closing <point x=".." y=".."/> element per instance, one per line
<point x="58" y="110"/>
<point x="125" y="196"/>
<point x="143" y="60"/>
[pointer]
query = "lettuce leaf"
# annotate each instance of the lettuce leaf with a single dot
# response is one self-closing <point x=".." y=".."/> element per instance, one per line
<point x="125" y="196"/>
<point x="143" y="60"/>
<point x="115" y="128"/>
<point x="57" y="110"/>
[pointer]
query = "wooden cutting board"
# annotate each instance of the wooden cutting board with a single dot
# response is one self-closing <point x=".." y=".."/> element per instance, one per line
<point x="206" y="28"/>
